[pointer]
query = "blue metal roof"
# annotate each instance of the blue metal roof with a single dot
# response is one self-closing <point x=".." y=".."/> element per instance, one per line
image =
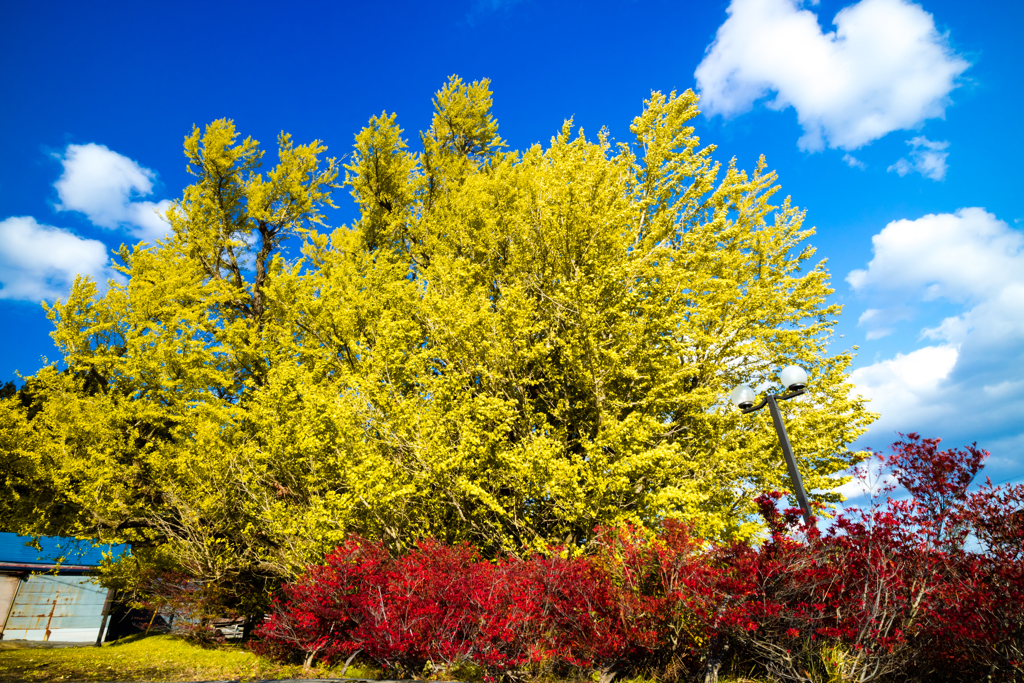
<point x="13" y="549"/>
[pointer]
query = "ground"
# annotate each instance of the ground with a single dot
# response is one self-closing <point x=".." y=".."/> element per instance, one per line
<point x="163" y="658"/>
<point x="156" y="658"/>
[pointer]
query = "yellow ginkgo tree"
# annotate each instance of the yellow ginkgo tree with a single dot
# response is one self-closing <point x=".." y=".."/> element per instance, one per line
<point x="506" y="348"/>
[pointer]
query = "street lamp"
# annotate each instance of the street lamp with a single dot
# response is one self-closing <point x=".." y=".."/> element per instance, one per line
<point x="794" y="378"/>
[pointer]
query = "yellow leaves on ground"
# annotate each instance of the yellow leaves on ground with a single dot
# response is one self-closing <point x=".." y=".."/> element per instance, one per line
<point x="156" y="658"/>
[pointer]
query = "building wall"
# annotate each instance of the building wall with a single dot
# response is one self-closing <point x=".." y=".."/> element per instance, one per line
<point x="69" y="607"/>
<point x="8" y="588"/>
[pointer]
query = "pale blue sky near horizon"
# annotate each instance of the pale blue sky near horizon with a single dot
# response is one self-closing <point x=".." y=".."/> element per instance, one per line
<point x="895" y="124"/>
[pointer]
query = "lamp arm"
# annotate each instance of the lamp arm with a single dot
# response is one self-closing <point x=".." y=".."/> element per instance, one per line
<point x="754" y="409"/>
<point x="789" y="395"/>
<point x="776" y="396"/>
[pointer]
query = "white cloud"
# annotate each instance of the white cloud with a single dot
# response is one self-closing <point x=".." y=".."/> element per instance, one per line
<point x="105" y="186"/>
<point x="147" y="219"/>
<point x="993" y="322"/>
<point x="969" y="384"/>
<point x="926" y="157"/>
<point x="903" y="389"/>
<point x="867" y="316"/>
<point x="40" y="262"/>
<point x="963" y="256"/>
<point x="879" y="320"/>
<point x="854" y="162"/>
<point x="869" y="482"/>
<point x="873" y="318"/>
<point x="884" y="68"/>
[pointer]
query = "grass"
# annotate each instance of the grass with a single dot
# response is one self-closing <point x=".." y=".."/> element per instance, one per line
<point x="156" y="658"/>
<point x="168" y="658"/>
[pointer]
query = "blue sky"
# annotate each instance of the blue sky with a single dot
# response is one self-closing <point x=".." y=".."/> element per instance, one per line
<point x="895" y="124"/>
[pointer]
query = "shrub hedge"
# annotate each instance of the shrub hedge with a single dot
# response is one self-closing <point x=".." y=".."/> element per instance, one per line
<point x="927" y="586"/>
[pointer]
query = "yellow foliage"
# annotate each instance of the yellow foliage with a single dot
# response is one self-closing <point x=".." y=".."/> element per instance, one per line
<point x="506" y="348"/>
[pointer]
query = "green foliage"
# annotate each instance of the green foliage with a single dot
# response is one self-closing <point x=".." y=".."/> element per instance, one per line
<point x="8" y="390"/>
<point x="506" y="348"/>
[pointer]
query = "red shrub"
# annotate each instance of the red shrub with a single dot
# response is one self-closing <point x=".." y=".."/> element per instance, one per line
<point x="930" y="586"/>
<point x="894" y="589"/>
<point x="424" y="607"/>
<point x="977" y="621"/>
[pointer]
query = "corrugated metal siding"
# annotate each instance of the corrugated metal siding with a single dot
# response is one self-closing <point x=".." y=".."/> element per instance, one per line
<point x="8" y="587"/>
<point x="70" y="607"/>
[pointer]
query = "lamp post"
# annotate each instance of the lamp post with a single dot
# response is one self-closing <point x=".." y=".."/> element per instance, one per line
<point x="794" y="378"/>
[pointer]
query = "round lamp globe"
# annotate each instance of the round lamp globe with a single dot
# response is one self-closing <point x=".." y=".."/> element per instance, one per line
<point x="793" y="378"/>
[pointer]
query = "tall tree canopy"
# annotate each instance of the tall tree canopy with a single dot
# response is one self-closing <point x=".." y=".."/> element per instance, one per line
<point x="507" y="348"/>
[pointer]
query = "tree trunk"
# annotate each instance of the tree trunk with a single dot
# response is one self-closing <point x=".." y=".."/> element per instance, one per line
<point x="347" y="662"/>
<point x="249" y="625"/>
<point x="713" y="662"/>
